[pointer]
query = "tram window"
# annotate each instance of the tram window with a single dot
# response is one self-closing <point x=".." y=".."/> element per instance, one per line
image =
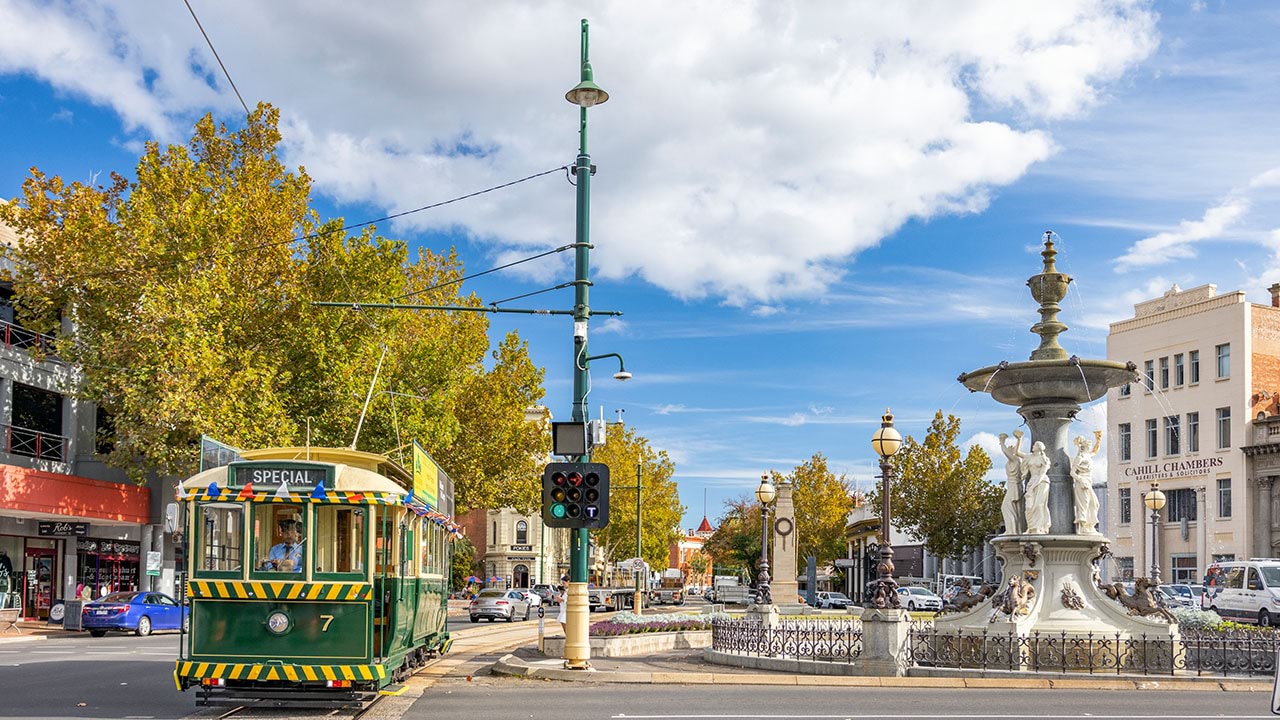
<point x="406" y="557"/>
<point x="383" y="541"/>
<point x="339" y="539"/>
<point x="430" y="550"/>
<point x="279" y="538"/>
<point x="221" y="536"/>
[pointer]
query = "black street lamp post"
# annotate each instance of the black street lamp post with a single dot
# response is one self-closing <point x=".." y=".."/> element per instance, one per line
<point x="765" y="494"/>
<point x="886" y="443"/>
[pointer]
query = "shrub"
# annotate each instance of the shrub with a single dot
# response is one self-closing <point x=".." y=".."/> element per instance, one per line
<point x="626" y="623"/>
<point x="1193" y="619"/>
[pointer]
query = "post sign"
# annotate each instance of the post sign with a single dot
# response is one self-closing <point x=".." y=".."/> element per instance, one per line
<point x="58" y="528"/>
<point x="154" y="562"/>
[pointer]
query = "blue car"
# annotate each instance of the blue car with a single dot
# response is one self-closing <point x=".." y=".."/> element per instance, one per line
<point x="135" y="611"/>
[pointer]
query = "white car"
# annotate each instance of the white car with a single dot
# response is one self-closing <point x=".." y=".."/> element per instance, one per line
<point x="534" y="598"/>
<point x="918" y="598"/>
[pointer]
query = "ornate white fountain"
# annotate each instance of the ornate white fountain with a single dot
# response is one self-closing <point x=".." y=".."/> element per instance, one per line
<point x="1049" y="582"/>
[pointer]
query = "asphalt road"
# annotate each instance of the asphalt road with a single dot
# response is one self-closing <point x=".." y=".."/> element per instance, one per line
<point x="505" y="698"/>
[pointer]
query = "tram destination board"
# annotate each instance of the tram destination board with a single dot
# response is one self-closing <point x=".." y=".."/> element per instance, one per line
<point x="296" y="476"/>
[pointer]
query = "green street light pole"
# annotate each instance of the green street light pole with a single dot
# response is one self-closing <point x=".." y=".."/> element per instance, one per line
<point x="577" y="648"/>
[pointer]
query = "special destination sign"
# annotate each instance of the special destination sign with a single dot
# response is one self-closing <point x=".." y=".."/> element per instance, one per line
<point x="296" y="477"/>
<point x="1173" y="469"/>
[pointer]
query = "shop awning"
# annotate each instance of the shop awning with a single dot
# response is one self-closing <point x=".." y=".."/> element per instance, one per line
<point x="42" y="494"/>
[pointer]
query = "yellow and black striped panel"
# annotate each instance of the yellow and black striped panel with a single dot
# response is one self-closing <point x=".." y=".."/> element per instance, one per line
<point x="265" y="673"/>
<point x="344" y="497"/>
<point x="272" y="590"/>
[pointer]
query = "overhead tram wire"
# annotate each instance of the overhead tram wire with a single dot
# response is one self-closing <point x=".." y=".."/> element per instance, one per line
<point x="216" y="57"/>
<point x="300" y="238"/>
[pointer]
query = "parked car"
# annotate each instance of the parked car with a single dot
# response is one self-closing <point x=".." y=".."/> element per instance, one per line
<point x="134" y="611"/>
<point x="837" y="600"/>
<point x="1171" y="598"/>
<point x="499" y="605"/>
<point x="549" y="594"/>
<point x="918" y="598"/>
<point x="534" y="598"/>
<point x="1194" y="593"/>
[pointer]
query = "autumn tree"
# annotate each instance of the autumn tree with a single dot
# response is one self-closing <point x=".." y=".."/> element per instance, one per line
<point x="661" y="510"/>
<point x="735" y="545"/>
<point x="940" y="497"/>
<point x="186" y="297"/>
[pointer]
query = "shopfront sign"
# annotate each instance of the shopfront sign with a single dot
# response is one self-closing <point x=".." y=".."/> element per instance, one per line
<point x="125" y="548"/>
<point x="298" y="477"/>
<point x="521" y="548"/>
<point x="58" y="528"/>
<point x="1172" y="469"/>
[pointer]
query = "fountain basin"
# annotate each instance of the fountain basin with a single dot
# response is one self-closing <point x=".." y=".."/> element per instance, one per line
<point x="1074" y="380"/>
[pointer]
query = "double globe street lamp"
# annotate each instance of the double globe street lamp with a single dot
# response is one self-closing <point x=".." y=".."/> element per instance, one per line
<point x="1154" y="500"/>
<point x="886" y="442"/>
<point x="765" y="494"/>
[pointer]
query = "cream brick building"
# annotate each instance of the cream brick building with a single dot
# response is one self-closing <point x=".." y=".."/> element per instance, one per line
<point x="1198" y="424"/>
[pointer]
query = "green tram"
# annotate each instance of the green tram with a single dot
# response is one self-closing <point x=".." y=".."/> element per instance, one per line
<point x="317" y="578"/>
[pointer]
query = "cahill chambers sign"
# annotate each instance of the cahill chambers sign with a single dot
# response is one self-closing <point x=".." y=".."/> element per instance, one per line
<point x="1173" y="469"/>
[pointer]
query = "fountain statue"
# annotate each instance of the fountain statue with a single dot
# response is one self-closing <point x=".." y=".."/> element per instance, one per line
<point x="1050" y="544"/>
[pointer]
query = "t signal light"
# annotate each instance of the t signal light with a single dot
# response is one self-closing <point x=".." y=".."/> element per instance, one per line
<point x="575" y="495"/>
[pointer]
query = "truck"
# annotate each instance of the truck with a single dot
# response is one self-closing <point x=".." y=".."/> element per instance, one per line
<point x="670" y="589"/>
<point x="729" y="590"/>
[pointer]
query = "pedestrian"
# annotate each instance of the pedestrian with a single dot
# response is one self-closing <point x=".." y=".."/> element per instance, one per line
<point x="563" y="617"/>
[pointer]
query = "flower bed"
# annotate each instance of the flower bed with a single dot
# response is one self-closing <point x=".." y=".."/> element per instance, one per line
<point x="631" y="624"/>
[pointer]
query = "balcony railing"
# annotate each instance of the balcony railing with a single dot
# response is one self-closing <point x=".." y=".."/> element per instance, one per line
<point x="33" y="443"/>
<point x="16" y="336"/>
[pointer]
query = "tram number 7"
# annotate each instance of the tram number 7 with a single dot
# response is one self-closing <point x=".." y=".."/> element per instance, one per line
<point x="328" y="619"/>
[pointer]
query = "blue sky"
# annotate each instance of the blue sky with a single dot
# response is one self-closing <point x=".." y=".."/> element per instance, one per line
<point x="806" y="211"/>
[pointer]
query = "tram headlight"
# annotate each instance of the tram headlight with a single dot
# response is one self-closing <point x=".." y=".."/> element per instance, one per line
<point x="278" y="623"/>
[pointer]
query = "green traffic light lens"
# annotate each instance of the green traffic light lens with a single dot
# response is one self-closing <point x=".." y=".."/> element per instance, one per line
<point x="557" y="511"/>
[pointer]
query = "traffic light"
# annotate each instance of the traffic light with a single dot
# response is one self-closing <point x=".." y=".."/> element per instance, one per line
<point x="575" y="495"/>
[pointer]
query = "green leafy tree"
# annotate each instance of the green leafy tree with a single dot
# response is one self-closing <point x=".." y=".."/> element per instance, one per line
<point x="463" y="563"/>
<point x="661" y="509"/>
<point x="822" y="503"/>
<point x="940" y="497"/>
<point x="735" y="545"/>
<point x="698" y="563"/>
<point x="185" y="299"/>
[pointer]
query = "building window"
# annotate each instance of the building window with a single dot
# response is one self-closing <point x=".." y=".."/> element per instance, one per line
<point x="1152" y="437"/>
<point x="1224" y="497"/>
<point x="104" y="434"/>
<point x="1124" y="390"/>
<point x="1164" y="373"/>
<point x="1179" y="372"/>
<point x="1181" y="504"/>
<point x="1185" y="569"/>
<point x="1126" y="444"/>
<point x="522" y="533"/>
<point x="1126" y="506"/>
<point x="1172" y="435"/>
<point x="1193" y="432"/>
<point x="493" y="540"/>
<point x="1193" y="359"/>
<point x="1224" y="427"/>
<point x="1149" y="375"/>
<point x="1124" y="566"/>
<point x="1224" y="361"/>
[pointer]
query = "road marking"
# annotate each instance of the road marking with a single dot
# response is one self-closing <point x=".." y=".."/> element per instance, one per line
<point x="937" y="715"/>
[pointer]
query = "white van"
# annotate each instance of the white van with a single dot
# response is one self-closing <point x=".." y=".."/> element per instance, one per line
<point x="1249" y="591"/>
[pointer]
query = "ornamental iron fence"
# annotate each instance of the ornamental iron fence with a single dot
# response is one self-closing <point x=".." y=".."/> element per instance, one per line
<point x="1236" y="652"/>
<point x="837" y="640"/>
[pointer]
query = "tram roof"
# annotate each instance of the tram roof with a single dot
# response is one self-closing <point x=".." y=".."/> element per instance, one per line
<point x="356" y="470"/>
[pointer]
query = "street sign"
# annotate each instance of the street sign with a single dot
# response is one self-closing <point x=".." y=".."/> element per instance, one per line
<point x="155" y="560"/>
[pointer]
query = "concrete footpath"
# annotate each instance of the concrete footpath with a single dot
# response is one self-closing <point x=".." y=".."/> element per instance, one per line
<point x="687" y="667"/>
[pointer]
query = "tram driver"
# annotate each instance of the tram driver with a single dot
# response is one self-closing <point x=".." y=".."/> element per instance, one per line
<point x="286" y="555"/>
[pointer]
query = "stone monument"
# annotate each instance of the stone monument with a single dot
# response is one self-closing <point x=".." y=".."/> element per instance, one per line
<point x="786" y="591"/>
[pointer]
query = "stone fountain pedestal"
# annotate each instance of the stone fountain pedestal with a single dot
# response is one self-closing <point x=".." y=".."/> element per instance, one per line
<point x="1060" y="570"/>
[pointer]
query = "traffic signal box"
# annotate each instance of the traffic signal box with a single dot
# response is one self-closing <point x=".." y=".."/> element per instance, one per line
<point x="575" y="495"/>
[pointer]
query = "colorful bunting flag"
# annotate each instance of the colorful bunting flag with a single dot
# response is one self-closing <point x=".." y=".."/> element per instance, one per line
<point x="282" y="492"/>
<point x="215" y="492"/>
<point x="319" y="493"/>
<point x="246" y="492"/>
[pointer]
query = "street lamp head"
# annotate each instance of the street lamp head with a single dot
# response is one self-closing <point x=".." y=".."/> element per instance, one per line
<point x="586" y="93"/>
<point x="766" y="492"/>
<point x="622" y="375"/>
<point x="887" y="440"/>
<point x="1154" y="499"/>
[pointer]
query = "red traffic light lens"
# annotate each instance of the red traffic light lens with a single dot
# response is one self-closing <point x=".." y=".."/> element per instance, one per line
<point x="558" y="478"/>
<point x="575" y="479"/>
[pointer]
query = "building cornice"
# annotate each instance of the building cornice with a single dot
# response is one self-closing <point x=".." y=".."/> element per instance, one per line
<point x="1215" y="303"/>
<point x="1264" y="449"/>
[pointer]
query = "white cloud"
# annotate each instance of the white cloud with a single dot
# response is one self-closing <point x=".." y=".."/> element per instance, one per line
<point x="612" y="325"/>
<point x="748" y="154"/>
<point x="1179" y="244"/>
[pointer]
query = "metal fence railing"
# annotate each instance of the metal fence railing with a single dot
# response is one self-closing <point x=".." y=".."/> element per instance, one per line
<point x="1195" y="652"/>
<point x="838" y="639"/>
<point x="33" y="443"/>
